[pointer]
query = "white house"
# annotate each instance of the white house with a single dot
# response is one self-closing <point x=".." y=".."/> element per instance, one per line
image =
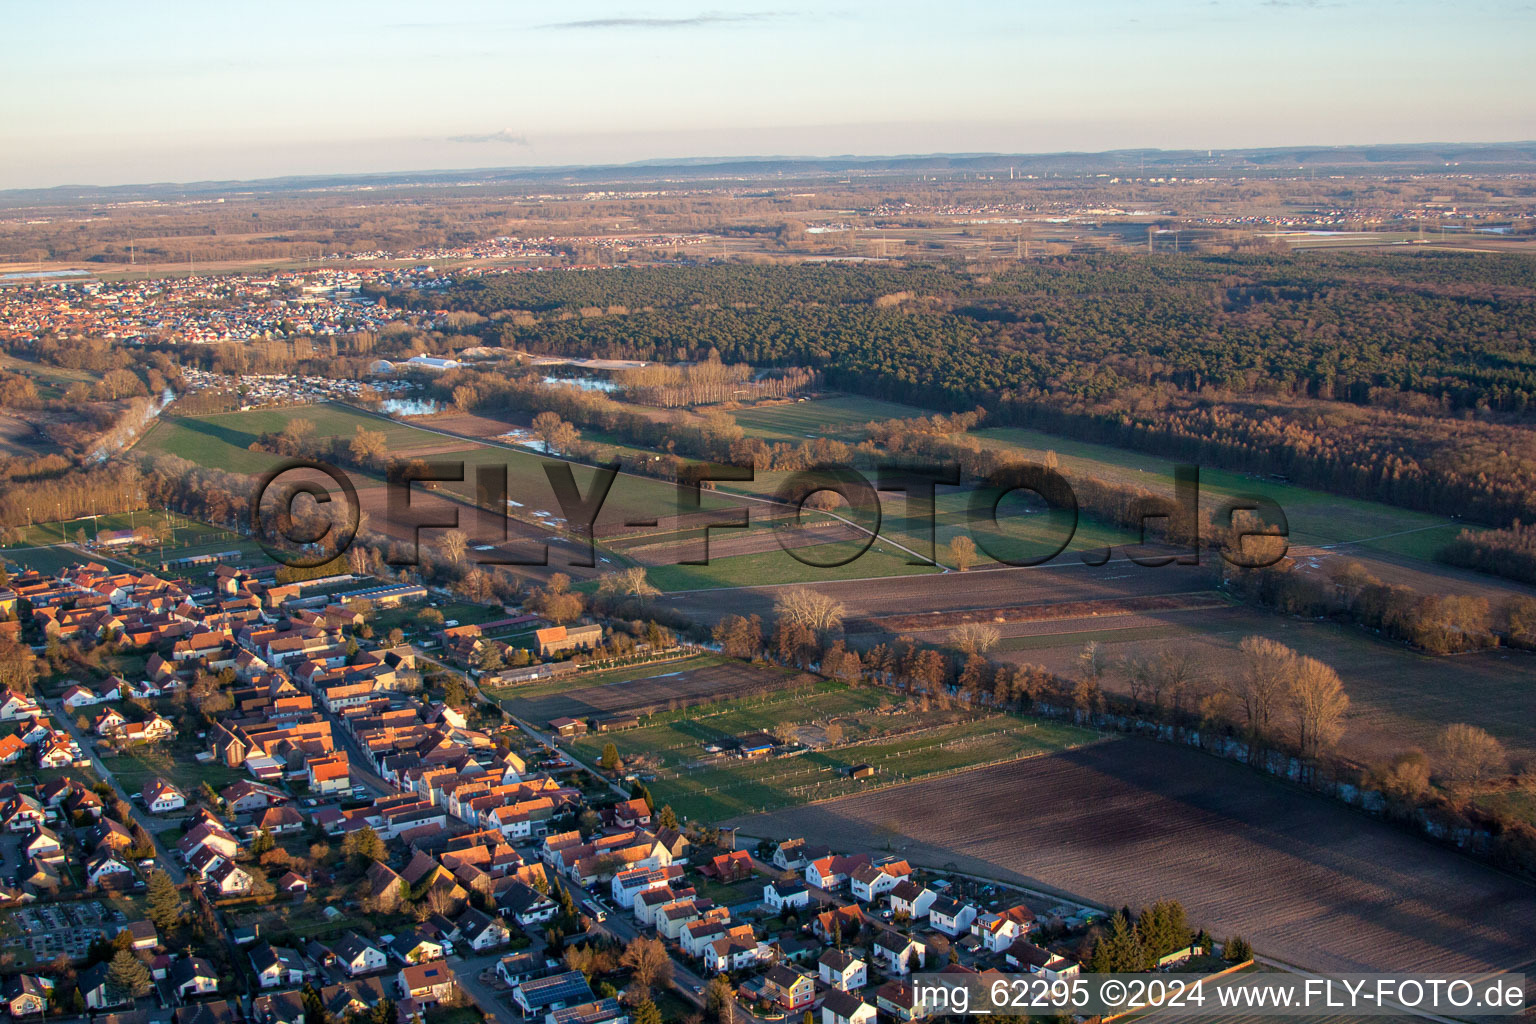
<point x="910" y="900"/>
<point x="951" y="916"/>
<point x="359" y="956"/>
<point x="998" y="931"/>
<point x="731" y="954"/>
<point x="782" y="896"/>
<point x="161" y="797"/>
<point x="898" y="953"/>
<point x="841" y="1007"/>
<point x="842" y="970"/>
<point x="873" y="881"/>
<point x="277" y="966"/>
<point x="77" y="697"/>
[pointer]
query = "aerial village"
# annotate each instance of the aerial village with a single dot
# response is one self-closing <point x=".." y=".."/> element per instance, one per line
<point x="246" y="801"/>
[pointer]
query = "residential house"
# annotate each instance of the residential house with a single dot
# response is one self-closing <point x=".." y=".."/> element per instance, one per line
<point x="598" y="1011"/>
<point x="785" y="896"/>
<point x="842" y="970"/>
<point x="910" y="901"/>
<point x="12" y="748"/>
<point x="428" y="984"/>
<point x="998" y="931"/>
<point x="831" y="873"/>
<point x="951" y="916"/>
<point x="411" y="947"/>
<point x="841" y="1007"/>
<point x="899" y="954"/>
<point x="15" y="706"/>
<point x="838" y="921"/>
<point x="76" y="697"/>
<point x="357" y="955"/>
<point x="730" y="867"/>
<point x="45" y="844"/>
<point x="1025" y="956"/>
<point x="481" y="931"/>
<point x="105" y="870"/>
<point x="731" y="954"/>
<point x="230" y="879"/>
<point x="898" y="1000"/>
<point x="628" y="814"/>
<point x="142" y="935"/>
<point x="872" y="881"/>
<point x="93" y="986"/>
<point x="162" y="797"/>
<point x="26" y="995"/>
<point x="277" y="966"/>
<point x="107" y="722"/>
<point x="539" y="996"/>
<point x="217" y="1011"/>
<point x="330" y="774"/>
<point x="22" y="813"/>
<point x="788" y="989"/>
<point x="193" y="976"/>
<point x="528" y="907"/>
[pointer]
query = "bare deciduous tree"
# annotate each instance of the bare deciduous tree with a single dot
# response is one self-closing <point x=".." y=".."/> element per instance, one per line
<point x="1318" y="702"/>
<point x="454" y="545"/>
<point x="815" y="611"/>
<point x="627" y="582"/>
<point x="1468" y="755"/>
<point x="974" y="637"/>
<point x="962" y="552"/>
<point x="1261" y="686"/>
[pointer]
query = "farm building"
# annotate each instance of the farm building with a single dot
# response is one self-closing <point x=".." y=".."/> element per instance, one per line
<point x="558" y="639"/>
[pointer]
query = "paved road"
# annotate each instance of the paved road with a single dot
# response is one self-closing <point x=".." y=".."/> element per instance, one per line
<point x="164" y="859"/>
<point x="493" y="1000"/>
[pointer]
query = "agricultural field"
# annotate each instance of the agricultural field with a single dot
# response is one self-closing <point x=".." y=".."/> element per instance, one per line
<point x="1306" y="880"/>
<point x="841" y="417"/>
<point x="778" y="567"/>
<point x="1398" y="698"/>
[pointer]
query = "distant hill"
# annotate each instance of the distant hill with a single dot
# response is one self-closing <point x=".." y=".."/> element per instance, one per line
<point x="1406" y="158"/>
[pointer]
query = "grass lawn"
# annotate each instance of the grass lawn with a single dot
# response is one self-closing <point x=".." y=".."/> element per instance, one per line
<point x="44" y="560"/>
<point x="840" y="416"/>
<point x="1315" y="517"/>
<point x="176" y="762"/>
<point x="223" y="440"/>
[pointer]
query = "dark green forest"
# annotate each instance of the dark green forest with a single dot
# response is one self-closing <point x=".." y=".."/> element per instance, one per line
<point x="1405" y="377"/>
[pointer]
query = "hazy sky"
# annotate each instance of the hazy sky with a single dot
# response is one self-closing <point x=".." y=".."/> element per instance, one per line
<point x="115" y="92"/>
